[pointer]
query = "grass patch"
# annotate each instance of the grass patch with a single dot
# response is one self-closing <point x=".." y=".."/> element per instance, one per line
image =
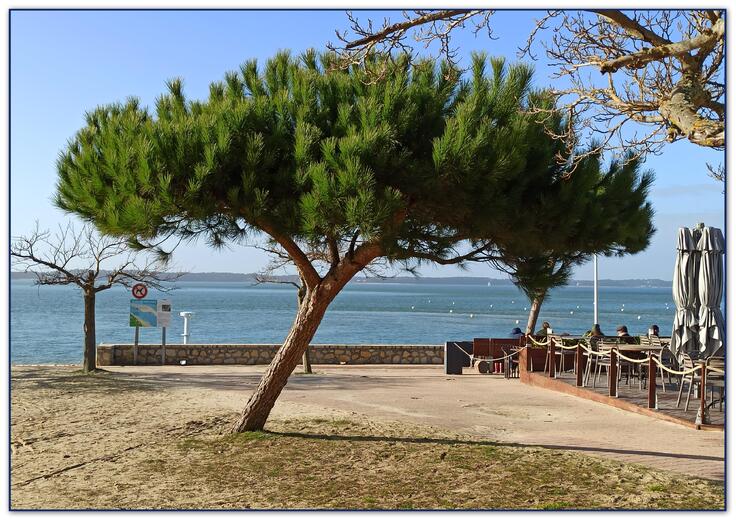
<point x="319" y="463"/>
<point x="249" y="436"/>
<point x="489" y="451"/>
<point x="552" y="506"/>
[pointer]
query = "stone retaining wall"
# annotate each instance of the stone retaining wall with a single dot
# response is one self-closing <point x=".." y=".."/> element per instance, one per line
<point x="230" y="354"/>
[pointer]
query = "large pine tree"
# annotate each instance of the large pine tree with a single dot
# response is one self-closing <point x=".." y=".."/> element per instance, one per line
<point x="570" y="217"/>
<point x="336" y="168"/>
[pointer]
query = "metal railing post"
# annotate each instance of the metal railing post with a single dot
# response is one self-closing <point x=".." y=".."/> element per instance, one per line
<point x="551" y="362"/>
<point x="579" y="366"/>
<point x="652" y="394"/>
<point x="613" y="375"/>
<point x="701" y="418"/>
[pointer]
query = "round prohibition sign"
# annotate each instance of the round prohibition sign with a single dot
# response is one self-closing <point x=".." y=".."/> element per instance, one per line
<point x="140" y="290"/>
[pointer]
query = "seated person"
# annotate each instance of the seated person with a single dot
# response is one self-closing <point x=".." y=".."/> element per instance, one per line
<point x="654" y="330"/>
<point x="516" y="333"/>
<point x="623" y="332"/>
<point x="595" y="332"/>
<point x="546" y="329"/>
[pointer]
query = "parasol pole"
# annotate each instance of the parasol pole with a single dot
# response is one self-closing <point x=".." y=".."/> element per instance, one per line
<point x="595" y="289"/>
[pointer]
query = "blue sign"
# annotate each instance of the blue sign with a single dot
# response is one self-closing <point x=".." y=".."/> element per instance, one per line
<point x="143" y="313"/>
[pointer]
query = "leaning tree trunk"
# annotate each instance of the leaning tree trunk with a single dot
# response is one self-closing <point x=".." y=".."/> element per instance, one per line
<point x="306" y="363"/>
<point x="90" y="363"/>
<point x="300" y="294"/>
<point x="308" y="318"/>
<point x="533" y="315"/>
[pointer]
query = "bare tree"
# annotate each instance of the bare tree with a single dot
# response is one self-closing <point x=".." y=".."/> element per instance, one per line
<point x="89" y="260"/>
<point x="661" y="72"/>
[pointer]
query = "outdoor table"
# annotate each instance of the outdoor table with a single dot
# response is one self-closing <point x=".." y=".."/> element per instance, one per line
<point x="626" y="348"/>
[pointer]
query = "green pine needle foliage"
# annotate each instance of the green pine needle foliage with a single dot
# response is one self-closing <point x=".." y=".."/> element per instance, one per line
<point x="418" y="161"/>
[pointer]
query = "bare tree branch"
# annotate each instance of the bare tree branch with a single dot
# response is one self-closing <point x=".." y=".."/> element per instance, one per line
<point x="664" y="71"/>
<point x="91" y="253"/>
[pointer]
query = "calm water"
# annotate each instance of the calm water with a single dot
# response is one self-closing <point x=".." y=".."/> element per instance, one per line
<point x="46" y="322"/>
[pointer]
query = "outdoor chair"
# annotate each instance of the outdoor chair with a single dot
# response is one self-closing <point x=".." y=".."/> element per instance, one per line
<point x="592" y="361"/>
<point x="605" y="362"/>
<point x="668" y="359"/>
<point x="511" y="363"/>
<point x="714" y="380"/>
<point x="560" y="354"/>
<point x="693" y="379"/>
<point x="601" y="361"/>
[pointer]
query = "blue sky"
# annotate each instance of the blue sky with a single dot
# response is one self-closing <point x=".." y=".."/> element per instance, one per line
<point x="64" y="63"/>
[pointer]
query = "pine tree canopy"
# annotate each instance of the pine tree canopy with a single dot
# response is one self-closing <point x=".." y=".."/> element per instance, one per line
<point x="592" y="210"/>
<point x="331" y="162"/>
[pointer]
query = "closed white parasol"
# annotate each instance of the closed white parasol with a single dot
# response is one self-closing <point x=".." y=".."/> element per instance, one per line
<point x="685" y="295"/>
<point x="710" y="291"/>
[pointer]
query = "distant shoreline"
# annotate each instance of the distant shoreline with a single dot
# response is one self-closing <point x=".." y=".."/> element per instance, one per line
<point x="423" y="280"/>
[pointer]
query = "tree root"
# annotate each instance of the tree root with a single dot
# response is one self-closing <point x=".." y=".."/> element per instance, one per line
<point x="79" y="465"/>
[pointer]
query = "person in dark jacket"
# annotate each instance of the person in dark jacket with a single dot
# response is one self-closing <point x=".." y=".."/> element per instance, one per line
<point x="546" y="329"/>
<point x="516" y="333"/>
<point x="623" y="333"/>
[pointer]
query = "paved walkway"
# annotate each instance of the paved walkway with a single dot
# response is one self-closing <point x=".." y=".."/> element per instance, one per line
<point x="487" y="407"/>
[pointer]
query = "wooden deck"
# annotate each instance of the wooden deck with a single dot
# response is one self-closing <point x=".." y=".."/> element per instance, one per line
<point x="631" y="398"/>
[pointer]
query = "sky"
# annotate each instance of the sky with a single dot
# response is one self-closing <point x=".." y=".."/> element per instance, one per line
<point x="64" y="63"/>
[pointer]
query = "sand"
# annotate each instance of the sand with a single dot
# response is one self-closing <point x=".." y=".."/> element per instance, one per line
<point x="94" y="441"/>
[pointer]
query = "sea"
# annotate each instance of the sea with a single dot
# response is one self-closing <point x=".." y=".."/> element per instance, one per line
<point x="46" y="322"/>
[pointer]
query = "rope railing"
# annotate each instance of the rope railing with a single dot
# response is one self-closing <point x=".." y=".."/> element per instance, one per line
<point x="592" y="352"/>
<point x="538" y="343"/>
<point x="657" y="361"/>
<point x="571" y="347"/>
<point x="631" y="360"/>
<point x="516" y="352"/>
<point x="462" y="350"/>
<point x="676" y="372"/>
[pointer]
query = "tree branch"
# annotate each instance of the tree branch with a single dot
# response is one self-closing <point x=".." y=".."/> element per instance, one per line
<point x="302" y="263"/>
<point x="639" y="59"/>
<point x="403" y="26"/>
<point x="632" y="27"/>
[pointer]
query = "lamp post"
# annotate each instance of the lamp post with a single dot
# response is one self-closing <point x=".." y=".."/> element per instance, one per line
<point x="595" y="290"/>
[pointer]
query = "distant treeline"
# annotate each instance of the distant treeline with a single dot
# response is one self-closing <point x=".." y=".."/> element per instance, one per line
<point x="448" y="280"/>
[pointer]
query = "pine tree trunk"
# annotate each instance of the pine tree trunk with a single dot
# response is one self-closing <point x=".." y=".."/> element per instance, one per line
<point x="306" y="363"/>
<point x="308" y="318"/>
<point x="90" y="352"/>
<point x="300" y="294"/>
<point x="533" y="315"/>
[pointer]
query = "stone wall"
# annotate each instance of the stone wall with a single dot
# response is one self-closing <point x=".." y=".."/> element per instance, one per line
<point x="231" y="354"/>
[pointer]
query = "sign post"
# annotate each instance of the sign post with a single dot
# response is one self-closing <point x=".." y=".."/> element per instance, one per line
<point x="139" y="291"/>
<point x="135" y="346"/>
<point x="163" y="317"/>
<point x="148" y="313"/>
<point x="140" y="314"/>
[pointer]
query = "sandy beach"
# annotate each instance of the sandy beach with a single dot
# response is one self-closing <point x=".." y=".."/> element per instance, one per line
<point x="130" y="437"/>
